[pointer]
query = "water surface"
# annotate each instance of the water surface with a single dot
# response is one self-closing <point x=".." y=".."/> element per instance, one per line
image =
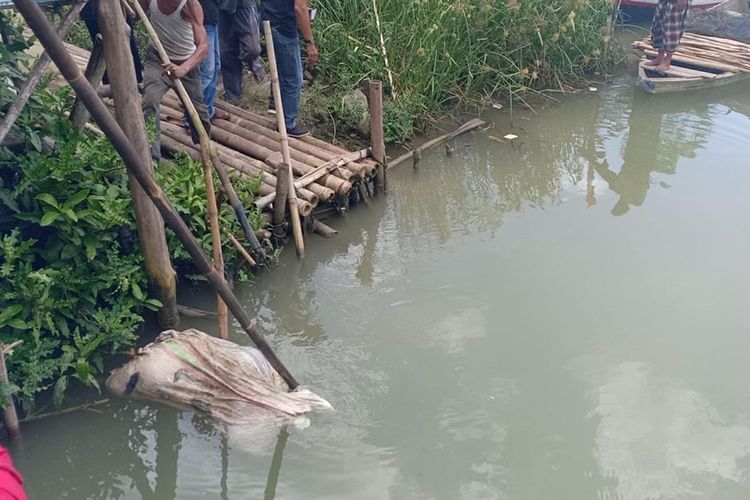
<point x="563" y="316"/>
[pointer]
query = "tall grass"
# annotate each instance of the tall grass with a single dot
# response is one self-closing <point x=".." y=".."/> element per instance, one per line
<point x="443" y="53"/>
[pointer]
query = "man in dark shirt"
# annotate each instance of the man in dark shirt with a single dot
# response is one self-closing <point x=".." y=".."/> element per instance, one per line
<point x="288" y="19"/>
<point x="211" y="65"/>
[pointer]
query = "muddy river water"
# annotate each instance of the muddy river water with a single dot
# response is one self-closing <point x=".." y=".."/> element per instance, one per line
<point x="562" y="316"/>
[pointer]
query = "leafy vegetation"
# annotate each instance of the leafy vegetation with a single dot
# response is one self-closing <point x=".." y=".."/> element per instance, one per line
<point x="72" y="284"/>
<point x="446" y="53"/>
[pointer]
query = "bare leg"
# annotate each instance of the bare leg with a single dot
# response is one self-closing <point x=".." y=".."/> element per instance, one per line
<point x="666" y="62"/>
<point x="657" y="61"/>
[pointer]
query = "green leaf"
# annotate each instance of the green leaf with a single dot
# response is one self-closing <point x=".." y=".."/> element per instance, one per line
<point x="70" y="213"/>
<point x="48" y="199"/>
<point x="83" y="370"/>
<point x="36" y="141"/>
<point x="9" y="313"/>
<point x="9" y="202"/>
<point x="19" y="324"/>
<point x="137" y="292"/>
<point x="48" y="218"/>
<point x="77" y="198"/>
<point x="90" y="250"/>
<point x="153" y="304"/>
<point x="59" y="392"/>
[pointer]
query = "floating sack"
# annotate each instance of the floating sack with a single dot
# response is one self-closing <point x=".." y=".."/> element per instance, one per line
<point x="231" y="383"/>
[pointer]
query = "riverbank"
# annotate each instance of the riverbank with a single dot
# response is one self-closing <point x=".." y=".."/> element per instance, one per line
<point x="490" y="329"/>
<point x="447" y="64"/>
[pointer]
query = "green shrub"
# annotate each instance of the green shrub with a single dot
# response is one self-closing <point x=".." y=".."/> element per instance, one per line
<point x="72" y="284"/>
<point x="67" y="286"/>
<point x="445" y="53"/>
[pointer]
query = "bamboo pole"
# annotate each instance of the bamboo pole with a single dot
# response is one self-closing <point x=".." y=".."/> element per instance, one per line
<point x="242" y="250"/>
<point x="10" y="417"/>
<point x="152" y="237"/>
<point x="273" y="473"/>
<point x="296" y="225"/>
<point x="375" y="101"/>
<point x="321" y="171"/>
<point x="85" y="406"/>
<point x="324" y="230"/>
<point x="27" y="88"/>
<point x="270" y="138"/>
<point x="279" y="203"/>
<point x="176" y="140"/>
<point x="41" y="27"/>
<point x="382" y="48"/>
<point x="213" y="211"/>
<point x="94" y="73"/>
<point x="249" y="146"/>
<point x="297" y="143"/>
<point x="417" y="152"/>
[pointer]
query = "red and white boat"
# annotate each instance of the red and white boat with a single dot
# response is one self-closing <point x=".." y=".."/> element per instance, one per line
<point x="650" y="4"/>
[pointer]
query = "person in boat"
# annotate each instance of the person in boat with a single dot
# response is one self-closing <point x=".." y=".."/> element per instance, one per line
<point x="289" y="19"/>
<point x="666" y="31"/>
<point x="179" y="26"/>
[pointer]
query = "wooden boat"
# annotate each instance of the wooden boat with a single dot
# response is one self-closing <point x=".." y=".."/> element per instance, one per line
<point x="700" y="62"/>
<point x="683" y="76"/>
<point x="651" y="4"/>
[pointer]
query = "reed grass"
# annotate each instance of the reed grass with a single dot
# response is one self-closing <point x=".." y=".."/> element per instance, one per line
<point x="447" y="53"/>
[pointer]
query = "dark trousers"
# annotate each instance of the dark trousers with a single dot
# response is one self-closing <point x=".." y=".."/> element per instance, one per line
<point x="89" y="16"/>
<point x="239" y="43"/>
<point x="156" y="84"/>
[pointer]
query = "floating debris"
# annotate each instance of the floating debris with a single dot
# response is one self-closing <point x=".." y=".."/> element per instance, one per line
<point x="510" y="137"/>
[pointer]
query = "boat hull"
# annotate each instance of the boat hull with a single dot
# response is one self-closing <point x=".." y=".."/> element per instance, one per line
<point x="649" y="81"/>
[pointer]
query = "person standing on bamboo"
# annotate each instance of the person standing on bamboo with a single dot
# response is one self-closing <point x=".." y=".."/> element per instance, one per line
<point x="288" y="19"/>
<point x="666" y="31"/>
<point x="239" y="37"/>
<point x="211" y="65"/>
<point x="179" y="26"/>
<point x="89" y="15"/>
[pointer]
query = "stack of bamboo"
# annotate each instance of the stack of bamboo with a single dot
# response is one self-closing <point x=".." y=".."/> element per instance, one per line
<point x="249" y="144"/>
<point x="708" y="51"/>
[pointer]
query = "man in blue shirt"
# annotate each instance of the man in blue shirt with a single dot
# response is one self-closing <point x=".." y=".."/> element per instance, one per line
<point x="288" y="19"/>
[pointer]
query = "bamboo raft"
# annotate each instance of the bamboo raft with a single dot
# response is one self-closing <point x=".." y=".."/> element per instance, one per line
<point x="699" y="62"/>
<point x="249" y="144"/>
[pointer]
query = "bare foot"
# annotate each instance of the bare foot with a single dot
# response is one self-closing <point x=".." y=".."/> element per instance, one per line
<point x="662" y="67"/>
<point x="220" y="114"/>
<point x="652" y="62"/>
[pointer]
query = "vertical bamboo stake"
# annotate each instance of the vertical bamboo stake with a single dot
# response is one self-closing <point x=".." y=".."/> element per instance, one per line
<point x="9" y="412"/>
<point x="279" y="203"/>
<point x="94" y="73"/>
<point x="213" y="212"/>
<point x="292" y="194"/>
<point x="275" y="470"/>
<point x="151" y="235"/>
<point x="375" y="100"/>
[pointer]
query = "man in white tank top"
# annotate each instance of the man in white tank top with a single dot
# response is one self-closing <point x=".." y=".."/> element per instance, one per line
<point x="179" y="25"/>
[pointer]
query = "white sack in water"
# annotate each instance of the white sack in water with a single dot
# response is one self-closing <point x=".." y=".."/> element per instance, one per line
<point x="225" y="380"/>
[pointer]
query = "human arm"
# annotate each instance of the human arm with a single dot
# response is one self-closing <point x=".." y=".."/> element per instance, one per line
<point x="192" y="12"/>
<point x="302" y="11"/>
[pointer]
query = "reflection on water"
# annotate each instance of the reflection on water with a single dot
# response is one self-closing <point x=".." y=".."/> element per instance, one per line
<point x="662" y="440"/>
<point x="559" y="317"/>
